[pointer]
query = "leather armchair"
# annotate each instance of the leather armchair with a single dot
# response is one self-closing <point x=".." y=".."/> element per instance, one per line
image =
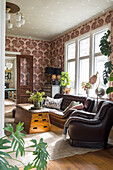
<point x="91" y="130"/>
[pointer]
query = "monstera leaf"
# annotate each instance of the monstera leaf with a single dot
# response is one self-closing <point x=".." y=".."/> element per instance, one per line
<point x="105" y="44"/>
<point x="109" y="90"/>
<point x="106" y="73"/>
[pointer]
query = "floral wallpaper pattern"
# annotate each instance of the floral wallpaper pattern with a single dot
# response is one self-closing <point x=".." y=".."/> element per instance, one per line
<point x="52" y="53"/>
<point x="40" y="50"/>
<point x="57" y="46"/>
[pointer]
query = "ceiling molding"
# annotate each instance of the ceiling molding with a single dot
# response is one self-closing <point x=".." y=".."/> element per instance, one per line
<point x="27" y="37"/>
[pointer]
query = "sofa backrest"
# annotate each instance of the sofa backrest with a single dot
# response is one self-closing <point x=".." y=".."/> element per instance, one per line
<point x="102" y="110"/>
<point x="89" y="104"/>
<point x="67" y="99"/>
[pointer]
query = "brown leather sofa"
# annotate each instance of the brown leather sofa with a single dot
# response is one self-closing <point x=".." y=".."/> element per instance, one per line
<point x="91" y="129"/>
<point x="58" y="118"/>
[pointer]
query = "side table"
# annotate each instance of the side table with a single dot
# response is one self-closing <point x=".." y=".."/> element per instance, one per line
<point x="34" y="120"/>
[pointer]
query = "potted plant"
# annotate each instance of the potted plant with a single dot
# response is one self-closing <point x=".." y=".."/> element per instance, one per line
<point x="36" y="98"/>
<point x="106" y="49"/>
<point x="67" y="90"/>
<point x="16" y="143"/>
<point x="86" y="86"/>
<point x="64" y="80"/>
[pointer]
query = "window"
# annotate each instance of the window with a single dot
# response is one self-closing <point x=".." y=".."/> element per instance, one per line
<point x="84" y="45"/>
<point x="86" y="59"/>
<point x="71" y="64"/>
<point x="99" y="59"/>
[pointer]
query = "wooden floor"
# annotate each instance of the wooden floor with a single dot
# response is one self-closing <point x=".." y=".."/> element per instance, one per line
<point x="99" y="160"/>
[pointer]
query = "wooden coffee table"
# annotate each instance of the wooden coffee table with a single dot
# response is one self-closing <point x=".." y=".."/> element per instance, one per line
<point x="34" y="120"/>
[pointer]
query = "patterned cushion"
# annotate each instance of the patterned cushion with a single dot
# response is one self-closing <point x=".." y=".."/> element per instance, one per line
<point x="53" y="103"/>
<point x="73" y="103"/>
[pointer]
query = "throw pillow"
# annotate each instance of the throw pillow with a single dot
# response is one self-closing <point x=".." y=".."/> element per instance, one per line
<point x="73" y="103"/>
<point x="53" y="103"/>
<point x="79" y="106"/>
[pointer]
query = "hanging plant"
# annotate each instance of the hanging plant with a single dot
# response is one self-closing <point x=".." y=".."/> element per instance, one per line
<point x="106" y="49"/>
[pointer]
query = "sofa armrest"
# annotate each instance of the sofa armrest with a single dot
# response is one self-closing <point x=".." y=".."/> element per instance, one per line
<point x="83" y="114"/>
<point x="81" y="120"/>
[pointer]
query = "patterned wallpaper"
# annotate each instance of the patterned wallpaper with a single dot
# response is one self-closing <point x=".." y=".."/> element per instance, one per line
<point x="40" y="50"/>
<point x="51" y="53"/>
<point x="57" y="46"/>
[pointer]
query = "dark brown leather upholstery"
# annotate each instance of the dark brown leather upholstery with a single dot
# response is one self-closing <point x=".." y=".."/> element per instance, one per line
<point x="91" y="132"/>
<point x="59" y="120"/>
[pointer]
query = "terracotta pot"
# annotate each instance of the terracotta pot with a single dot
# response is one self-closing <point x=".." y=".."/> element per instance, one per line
<point x="67" y="92"/>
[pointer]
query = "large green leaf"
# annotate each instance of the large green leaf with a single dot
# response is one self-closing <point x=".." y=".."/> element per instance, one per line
<point x="111" y="77"/>
<point x="17" y="140"/>
<point x="109" y="90"/>
<point x="40" y="161"/>
<point x="28" y="166"/>
<point x="105" y="44"/>
<point x="106" y="73"/>
<point x="4" y="141"/>
<point x="3" y="162"/>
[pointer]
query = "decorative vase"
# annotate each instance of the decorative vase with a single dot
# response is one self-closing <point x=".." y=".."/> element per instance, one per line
<point x="37" y="105"/>
<point x="87" y="92"/>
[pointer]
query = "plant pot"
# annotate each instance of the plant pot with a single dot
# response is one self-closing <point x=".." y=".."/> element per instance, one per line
<point x="61" y="89"/>
<point x="67" y="92"/>
<point x="37" y="105"/>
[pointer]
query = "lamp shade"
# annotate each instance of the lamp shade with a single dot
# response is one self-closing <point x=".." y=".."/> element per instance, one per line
<point x="49" y="70"/>
<point x="57" y="71"/>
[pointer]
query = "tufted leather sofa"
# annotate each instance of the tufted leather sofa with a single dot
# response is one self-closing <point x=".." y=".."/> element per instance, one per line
<point x="91" y="129"/>
<point x="58" y="118"/>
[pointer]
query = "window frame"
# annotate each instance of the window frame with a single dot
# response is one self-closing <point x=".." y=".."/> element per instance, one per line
<point x="77" y="53"/>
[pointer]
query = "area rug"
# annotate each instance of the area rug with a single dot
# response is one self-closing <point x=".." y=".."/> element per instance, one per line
<point x="57" y="147"/>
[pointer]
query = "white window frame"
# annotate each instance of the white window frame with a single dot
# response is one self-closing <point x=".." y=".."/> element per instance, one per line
<point x="91" y="53"/>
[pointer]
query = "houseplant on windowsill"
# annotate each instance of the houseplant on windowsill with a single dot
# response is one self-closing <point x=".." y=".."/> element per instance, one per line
<point x="36" y="98"/>
<point x="16" y="143"/>
<point x="86" y="86"/>
<point x="106" y="49"/>
<point x="64" y="80"/>
<point x="67" y="90"/>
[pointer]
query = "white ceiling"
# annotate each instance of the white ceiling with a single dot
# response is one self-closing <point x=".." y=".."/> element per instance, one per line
<point x="48" y="19"/>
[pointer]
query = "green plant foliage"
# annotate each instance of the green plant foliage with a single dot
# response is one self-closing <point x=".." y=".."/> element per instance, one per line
<point x="36" y="97"/>
<point x="17" y="140"/>
<point x="42" y="155"/>
<point x="64" y="79"/>
<point x="106" y="49"/>
<point x="105" y="44"/>
<point x="111" y="77"/>
<point x="109" y="90"/>
<point x="17" y="144"/>
<point x="106" y="73"/>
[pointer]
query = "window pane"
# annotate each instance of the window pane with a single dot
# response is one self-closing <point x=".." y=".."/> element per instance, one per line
<point x="84" y="47"/>
<point x="84" y="73"/>
<point x="99" y="66"/>
<point x="97" y="39"/>
<point x="71" y="51"/>
<point x="71" y="72"/>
